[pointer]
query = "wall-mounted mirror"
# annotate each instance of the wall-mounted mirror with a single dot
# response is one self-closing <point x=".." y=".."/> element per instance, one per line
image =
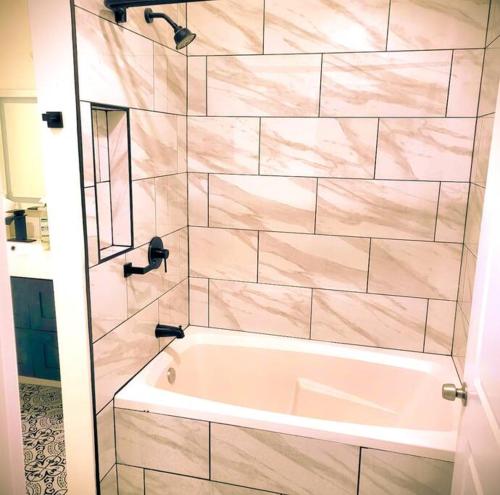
<point x="113" y="188"/>
<point x="20" y="150"/>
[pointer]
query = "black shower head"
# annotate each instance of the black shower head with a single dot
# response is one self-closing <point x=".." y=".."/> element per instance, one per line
<point x="182" y="35"/>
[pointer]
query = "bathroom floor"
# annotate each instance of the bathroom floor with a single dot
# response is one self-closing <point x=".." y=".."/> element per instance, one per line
<point x="43" y="438"/>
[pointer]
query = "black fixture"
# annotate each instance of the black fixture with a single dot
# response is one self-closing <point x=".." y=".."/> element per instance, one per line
<point x="156" y="255"/>
<point x="169" y="331"/>
<point x="119" y="7"/>
<point x="54" y="119"/>
<point x="182" y="36"/>
<point x="19" y="219"/>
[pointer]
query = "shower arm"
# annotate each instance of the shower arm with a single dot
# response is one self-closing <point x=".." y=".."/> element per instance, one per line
<point x="119" y="7"/>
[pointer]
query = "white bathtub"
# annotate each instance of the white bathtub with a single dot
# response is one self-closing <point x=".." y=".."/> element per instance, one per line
<point x="361" y="396"/>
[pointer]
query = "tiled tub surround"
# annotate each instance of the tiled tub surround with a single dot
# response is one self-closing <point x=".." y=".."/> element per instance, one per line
<point x="293" y="424"/>
<point x="134" y="67"/>
<point x="329" y="161"/>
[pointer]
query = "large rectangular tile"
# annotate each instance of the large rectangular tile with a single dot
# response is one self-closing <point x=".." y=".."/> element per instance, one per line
<point x="491" y="76"/>
<point x="465" y="82"/>
<point x="313" y="261"/>
<point x="467" y="278"/>
<point x="223" y="145"/>
<point x="278" y="85"/>
<point x="260" y="308"/>
<point x="174" y="306"/>
<point x="123" y="352"/>
<point x="197" y="86"/>
<point x="460" y="342"/>
<point x="474" y="217"/>
<point x="106" y="439"/>
<point x="223" y="253"/>
<point x="452" y="211"/>
<point x="109" y="484"/>
<point x="170" y="80"/>
<point x="440" y="323"/>
<point x="494" y="22"/>
<point x="318" y="147"/>
<point x="115" y="65"/>
<point x="282" y="463"/>
<point x="198" y="301"/>
<point x="171" y="203"/>
<point x="417" y="25"/>
<point x="143" y="197"/>
<point x="108" y="296"/>
<point x="482" y="148"/>
<point x="377" y="208"/>
<point x="170" y="484"/>
<point x="325" y="26"/>
<point x="130" y="480"/>
<point x="262" y="203"/>
<point x="389" y="473"/>
<point x="386" y="84"/>
<point x="425" y="149"/>
<point x="165" y="443"/>
<point x="413" y="268"/>
<point x="154" y="144"/>
<point x="226" y="27"/>
<point x="367" y="319"/>
<point x="198" y="199"/>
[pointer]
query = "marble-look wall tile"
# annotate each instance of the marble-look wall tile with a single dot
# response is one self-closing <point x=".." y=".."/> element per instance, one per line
<point x="313" y="261"/>
<point x="465" y="82"/>
<point x="452" y="211"/>
<point x="177" y="243"/>
<point x="417" y="25"/>
<point x="228" y="254"/>
<point x="90" y="215"/>
<point x="440" y="323"/>
<point x="174" y="306"/>
<point x="108" y="296"/>
<point x="460" y="342"/>
<point x="224" y="145"/>
<point x="474" y="216"/>
<point x="390" y="84"/>
<point x="130" y="480"/>
<point x="425" y="149"/>
<point x="171" y="203"/>
<point x="181" y="143"/>
<point x="333" y="26"/>
<point x="197" y="85"/>
<point x="170" y="80"/>
<point x="226" y="27"/>
<point x="106" y="439"/>
<point x="260" y="308"/>
<point x="318" y="147"/>
<point x="282" y="463"/>
<point x="389" y="473"/>
<point x="482" y="147"/>
<point x="414" y="268"/>
<point x="198" y="301"/>
<point x="154" y="144"/>
<point x="170" y="484"/>
<point x="115" y="65"/>
<point x="143" y="194"/>
<point x="123" y="352"/>
<point x="491" y="76"/>
<point x="87" y="145"/>
<point x="467" y="277"/>
<point x="377" y="208"/>
<point x="494" y="22"/>
<point x="161" y="442"/>
<point x="109" y="485"/>
<point x="367" y="319"/>
<point x="262" y="203"/>
<point x="198" y="199"/>
<point x="276" y="85"/>
<point x="104" y="223"/>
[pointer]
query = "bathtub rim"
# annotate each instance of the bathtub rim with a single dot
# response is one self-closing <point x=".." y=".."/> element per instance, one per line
<point x="439" y="445"/>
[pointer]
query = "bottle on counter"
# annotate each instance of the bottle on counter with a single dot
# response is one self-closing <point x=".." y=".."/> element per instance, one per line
<point x="44" y="229"/>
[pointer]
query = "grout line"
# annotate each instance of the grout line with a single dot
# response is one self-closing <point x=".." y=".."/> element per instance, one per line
<point x="437" y="211"/>
<point x="425" y="325"/>
<point x="388" y="25"/>
<point x="209" y="450"/>
<point x="316" y="207"/>
<point x="320" y="84"/>
<point x="449" y="83"/>
<point x="358" y="487"/>
<point x="260" y="144"/>
<point x="258" y="254"/>
<point x="376" y="149"/>
<point x="368" y="268"/>
<point x="263" y="27"/>
<point x="311" y="314"/>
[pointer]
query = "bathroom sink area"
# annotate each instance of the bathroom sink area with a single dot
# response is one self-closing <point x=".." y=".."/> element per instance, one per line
<point x="29" y="260"/>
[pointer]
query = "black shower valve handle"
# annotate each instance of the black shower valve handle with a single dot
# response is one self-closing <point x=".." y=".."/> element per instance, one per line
<point x="156" y="255"/>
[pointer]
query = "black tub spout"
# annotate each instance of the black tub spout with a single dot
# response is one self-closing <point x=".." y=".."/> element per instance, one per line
<point x="169" y="331"/>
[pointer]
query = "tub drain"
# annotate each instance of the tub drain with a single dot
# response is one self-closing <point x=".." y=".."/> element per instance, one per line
<point x="171" y="376"/>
